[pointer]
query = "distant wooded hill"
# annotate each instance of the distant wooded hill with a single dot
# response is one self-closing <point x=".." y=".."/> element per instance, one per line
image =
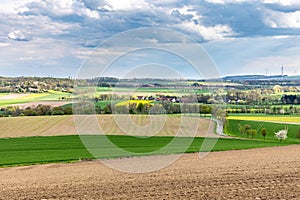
<point x="35" y="84"/>
<point x="44" y="84"/>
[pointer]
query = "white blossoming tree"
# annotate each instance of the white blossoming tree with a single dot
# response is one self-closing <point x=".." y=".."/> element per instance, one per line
<point x="281" y="135"/>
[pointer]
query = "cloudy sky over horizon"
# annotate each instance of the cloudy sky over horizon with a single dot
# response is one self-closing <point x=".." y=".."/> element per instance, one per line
<point x="54" y="37"/>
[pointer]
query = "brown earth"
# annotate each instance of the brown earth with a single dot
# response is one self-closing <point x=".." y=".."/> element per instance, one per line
<point x="12" y="96"/>
<point x="110" y="125"/>
<point x="267" y="173"/>
<point x="46" y="103"/>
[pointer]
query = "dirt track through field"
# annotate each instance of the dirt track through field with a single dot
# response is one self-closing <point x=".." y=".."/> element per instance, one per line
<point x="267" y="173"/>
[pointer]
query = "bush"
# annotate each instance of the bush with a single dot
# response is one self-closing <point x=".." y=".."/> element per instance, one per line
<point x="253" y="133"/>
<point x="57" y="111"/>
<point x="247" y="129"/>
<point x="264" y="132"/>
<point x="298" y="134"/>
<point x="241" y="129"/>
<point x="107" y="109"/>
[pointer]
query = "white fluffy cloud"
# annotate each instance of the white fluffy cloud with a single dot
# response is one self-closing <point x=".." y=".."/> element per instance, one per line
<point x="227" y="1"/>
<point x="275" y="19"/>
<point x="185" y="11"/>
<point x="58" y="8"/>
<point x="9" y="6"/>
<point x="280" y="2"/>
<point x="207" y="33"/>
<point x="192" y="23"/>
<point x="17" y="35"/>
<point x="118" y="5"/>
<point x="91" y="13"/>
<point x="283" y="2"/>
<point x="61" y="28"/>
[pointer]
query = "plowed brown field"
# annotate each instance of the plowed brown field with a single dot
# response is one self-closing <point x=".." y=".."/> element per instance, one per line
<point x="267" y="173"/>
<point x="11" y="127"/>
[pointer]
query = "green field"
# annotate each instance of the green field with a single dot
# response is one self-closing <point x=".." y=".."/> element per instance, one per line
<point x="12" y="102"/>
<point x="50" y="96"/>
<point x="232" y="129"/>
<point x="34" y="150"/>
<point x="102" y="104"/>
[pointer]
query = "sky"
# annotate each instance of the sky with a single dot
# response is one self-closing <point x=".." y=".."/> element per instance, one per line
<point x="61" y="38"/>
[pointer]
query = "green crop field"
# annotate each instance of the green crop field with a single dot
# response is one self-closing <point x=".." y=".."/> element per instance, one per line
<point x="102" y="104"/>
<point x="12" y="102"/>
<point x="232" y="128"/>
<point x="34" y="150"/>
<point x="34" y="97"/>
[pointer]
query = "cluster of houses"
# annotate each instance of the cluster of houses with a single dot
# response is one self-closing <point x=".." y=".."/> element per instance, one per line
<point x="34" y="87"/>
<point x="159" y="97"/>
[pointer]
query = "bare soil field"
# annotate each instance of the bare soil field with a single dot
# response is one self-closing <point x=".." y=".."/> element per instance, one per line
<point x="268" y="173"/>
<point x="47" y="103"/>
<point x="110" y="125"/>
<point x="13" y="96"/>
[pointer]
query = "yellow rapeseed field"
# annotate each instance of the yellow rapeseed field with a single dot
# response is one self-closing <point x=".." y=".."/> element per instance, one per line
<point x="286" y="119"/>
<point x="134" y="102"/>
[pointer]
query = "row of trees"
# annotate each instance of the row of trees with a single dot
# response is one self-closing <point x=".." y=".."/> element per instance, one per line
<point x="290" y="99"/>
<point x="247" y="130"/>
<point x="162" y="108"/>
<point x="262" y="96"/>
<point x="85" y="108"/>
<point x="39" y="110"/>
<point x="37" y="84"/>
<point x="143" y="108"/>
<point x="278" y="110"/>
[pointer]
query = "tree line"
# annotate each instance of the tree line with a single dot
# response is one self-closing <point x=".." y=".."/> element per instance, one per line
<point x="40" y="110"/>
<point x="290" y="99"/>
<point x="143" y="108"/>
<point x="269" y="110"/>
<point x="164" y="107"/>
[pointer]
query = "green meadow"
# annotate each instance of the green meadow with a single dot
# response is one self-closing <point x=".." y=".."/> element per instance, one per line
<point x="232" y="129"/>
<point x="37" y="150"/>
